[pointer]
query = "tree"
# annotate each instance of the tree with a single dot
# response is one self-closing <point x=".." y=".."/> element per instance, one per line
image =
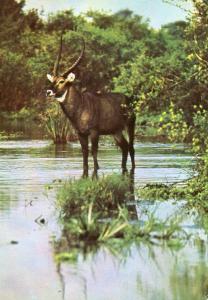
<point x="33" y="20"/>
<point x="11" y="22"/>
<point x="61" y="22"/>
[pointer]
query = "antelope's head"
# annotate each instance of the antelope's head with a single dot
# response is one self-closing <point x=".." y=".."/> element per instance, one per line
<point x="60" y="83"/>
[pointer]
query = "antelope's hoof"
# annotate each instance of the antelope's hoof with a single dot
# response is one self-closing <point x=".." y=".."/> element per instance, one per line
<point x="84" y="175"/>
<point x="124" y="171"/>
<point x="132" y="171"/>
<point x="95" y="175"/>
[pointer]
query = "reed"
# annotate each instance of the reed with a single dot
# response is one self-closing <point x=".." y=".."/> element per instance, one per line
<point x="57" y="125"/>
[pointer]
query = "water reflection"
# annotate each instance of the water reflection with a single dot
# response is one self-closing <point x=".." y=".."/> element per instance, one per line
<point x="136" y="271"/>
<point x="191" y="282"/>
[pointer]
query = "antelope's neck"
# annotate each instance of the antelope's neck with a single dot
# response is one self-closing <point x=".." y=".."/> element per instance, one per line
<point x="71" y="103"/>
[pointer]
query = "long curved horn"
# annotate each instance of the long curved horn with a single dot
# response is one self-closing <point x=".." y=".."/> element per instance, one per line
<point x="56" y="65"/>
<point x="75" y="64"/>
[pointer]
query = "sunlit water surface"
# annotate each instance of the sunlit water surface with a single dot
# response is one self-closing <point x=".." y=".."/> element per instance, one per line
<point x="28" y="268"/>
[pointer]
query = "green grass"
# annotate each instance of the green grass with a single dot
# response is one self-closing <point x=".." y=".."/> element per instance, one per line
<point x="23" y="114"/>
<point x="106" y="194"/>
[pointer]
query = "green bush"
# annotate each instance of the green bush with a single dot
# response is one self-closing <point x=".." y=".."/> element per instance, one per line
<point x="173" y="124"/>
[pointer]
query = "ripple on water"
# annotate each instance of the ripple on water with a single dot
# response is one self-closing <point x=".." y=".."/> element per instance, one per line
<point x="24" y="144"/>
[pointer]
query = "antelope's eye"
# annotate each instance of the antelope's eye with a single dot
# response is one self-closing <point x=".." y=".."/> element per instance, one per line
<point x="61" y="81"/>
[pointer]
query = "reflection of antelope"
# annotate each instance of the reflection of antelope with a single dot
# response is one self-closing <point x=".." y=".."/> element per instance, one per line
<point x="93" y="114"/>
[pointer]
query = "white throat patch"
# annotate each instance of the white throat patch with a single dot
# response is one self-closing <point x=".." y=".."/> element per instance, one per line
<point x="62" y="98"/>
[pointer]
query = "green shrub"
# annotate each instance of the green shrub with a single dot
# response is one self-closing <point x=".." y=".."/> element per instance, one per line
<point x="173" y="125"/>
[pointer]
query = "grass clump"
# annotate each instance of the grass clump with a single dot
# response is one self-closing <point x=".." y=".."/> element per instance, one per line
<point x="89" y="227"/>
<point x="93" y="210"/>
<point x="105" y="194"/>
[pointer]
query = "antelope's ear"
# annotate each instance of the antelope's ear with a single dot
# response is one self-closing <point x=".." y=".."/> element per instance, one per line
<point x="71" y="77"/>
<point x="50" y="77"/>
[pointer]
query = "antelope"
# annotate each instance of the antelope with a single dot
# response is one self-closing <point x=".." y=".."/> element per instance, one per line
<point x="93" y="114"/>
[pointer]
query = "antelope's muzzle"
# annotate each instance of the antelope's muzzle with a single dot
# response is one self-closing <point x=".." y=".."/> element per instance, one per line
<point x="50" y="93"/>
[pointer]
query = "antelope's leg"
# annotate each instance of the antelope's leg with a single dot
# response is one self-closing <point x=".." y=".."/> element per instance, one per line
<point x="123" y="144"/>
<point x="131" y="133"/>
<point x="84" y="144"/>
<point x="94" y="149"/>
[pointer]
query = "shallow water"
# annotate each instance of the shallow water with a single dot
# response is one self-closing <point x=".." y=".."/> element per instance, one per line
<point x="28" y="268"/>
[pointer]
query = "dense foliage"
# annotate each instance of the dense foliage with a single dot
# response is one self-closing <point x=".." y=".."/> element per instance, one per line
<point x="163" y="71"/>
<point x="122" y="53"/>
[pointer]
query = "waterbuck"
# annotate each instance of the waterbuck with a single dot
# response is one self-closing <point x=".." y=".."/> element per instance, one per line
<point x="93" y="114"/>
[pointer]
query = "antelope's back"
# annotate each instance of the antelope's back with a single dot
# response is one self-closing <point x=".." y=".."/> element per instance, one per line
<point x="113" y="112"/>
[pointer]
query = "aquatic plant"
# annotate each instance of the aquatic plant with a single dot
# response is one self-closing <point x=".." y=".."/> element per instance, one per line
<point x="191" y="282"/>
<point x="194" y="191"/>
<point x="106" y="194"/>
<point x="57" y="125"/>
<point x="155" y="228"/>
<point x="161" y="191"/>
<point x="91" y="228"/>
<point x="89" y="231"/>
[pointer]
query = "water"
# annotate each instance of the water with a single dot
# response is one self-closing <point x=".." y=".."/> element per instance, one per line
<point x="140" y="271"/>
